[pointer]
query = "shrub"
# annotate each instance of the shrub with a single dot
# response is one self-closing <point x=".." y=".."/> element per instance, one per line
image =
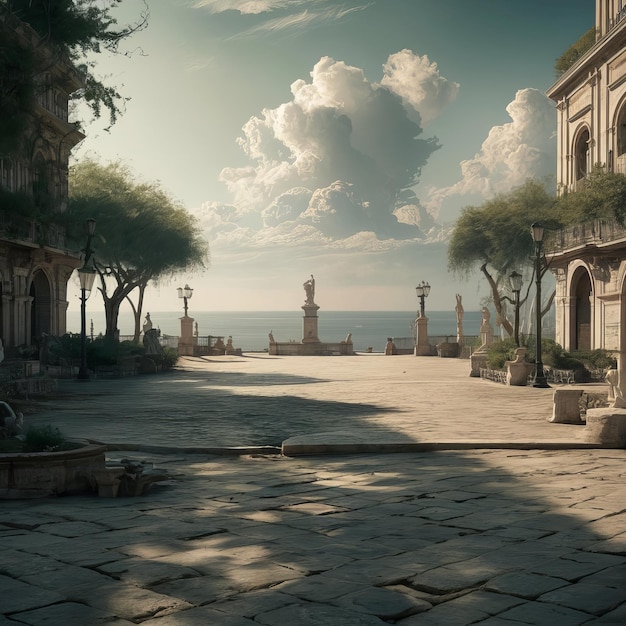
<point x="500" y="352"/>
<point x="42" y="439"/>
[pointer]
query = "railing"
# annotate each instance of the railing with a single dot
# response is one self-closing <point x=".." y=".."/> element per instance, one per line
<point x="596" y="232"/>
<point x="32" y="231"/>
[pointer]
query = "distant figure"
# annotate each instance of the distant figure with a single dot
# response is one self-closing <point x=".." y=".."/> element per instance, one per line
<point x="390" y="348"/>
<point x="196" y="331"/>
<point x="147" y="325"/>
<point x="349" y="338"/>
<point x="272" y="340"/>
<point x="309" y="289"/>
<point x="459" y="318"/>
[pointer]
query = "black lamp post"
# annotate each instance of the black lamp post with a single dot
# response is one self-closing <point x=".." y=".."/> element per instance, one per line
<point x="87" y="275"/>
<point x="516" y="287"/>
<point x="422" y="290"/>
<point x="540" y="377"/>
<point x="185" y="293"/>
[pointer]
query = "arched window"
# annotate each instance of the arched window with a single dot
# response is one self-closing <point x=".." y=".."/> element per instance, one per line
<point x="620" y="162"/>
<point x="582" y="155"/>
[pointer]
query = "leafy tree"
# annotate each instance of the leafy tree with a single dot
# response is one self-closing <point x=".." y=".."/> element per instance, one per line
<point x="75" y="30"/>
<point x="142" y="234"/>
<point x="601" y="195"/>
<point x="575" y="51"/>
<point x="495" y="237"/>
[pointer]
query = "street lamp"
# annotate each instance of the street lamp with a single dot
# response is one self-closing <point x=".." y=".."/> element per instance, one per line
<point x="516" y="286"/>
<point x="86" y="275"/>
<point x="536" y="230"/>
<point x="185" y="293"/>
<point x="422" y="290"/>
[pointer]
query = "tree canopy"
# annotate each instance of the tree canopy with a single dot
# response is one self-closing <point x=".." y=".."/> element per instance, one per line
<point x="495" y="237"/>
<point x="142" y="234"/>
<point x="73" y="29"/>
<point x="575" y="51"/>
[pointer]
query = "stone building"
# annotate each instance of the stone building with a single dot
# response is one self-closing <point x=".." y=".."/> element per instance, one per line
<point x="35" y="262"/>
<point x="589" y="260"/>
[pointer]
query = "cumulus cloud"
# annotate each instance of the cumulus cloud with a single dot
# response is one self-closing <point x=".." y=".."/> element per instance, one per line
<point x="342" y="153"/>
<point x="418" y="82"/>
<point x="511" y="154"/>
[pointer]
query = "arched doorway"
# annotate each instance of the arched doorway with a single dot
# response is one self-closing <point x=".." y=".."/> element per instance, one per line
<point x="41" y="306"/>
<point x="581" y="310"/>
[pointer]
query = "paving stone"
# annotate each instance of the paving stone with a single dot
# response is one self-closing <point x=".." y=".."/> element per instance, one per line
<point x="384" y="603"/>
<point x="202" y="590"/>
<point x="71" y="578"/>
<point x="69" y="613"/>
<point x="524" y="584"/>
<point x="610" y="577"/>
<point x="312" y="614"/>
<point x="544" y="613"/>
<point x="20" y="596"/>
<point x="146" y="573"/>
<point x="202" y="616"/>
<point x="484" y="601"/>
<point x="594" y="599"/>
<point x="320" y="588"/>
<point x="617" y="616"/>
<point x="575" y="565"/>
<point x="446" y="614"/>
<point x="252" y="603"/>
<point x="16" y="564"/>
<point x="70" y="529"/>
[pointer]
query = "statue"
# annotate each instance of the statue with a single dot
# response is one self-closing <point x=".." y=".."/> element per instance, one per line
<point x="151" y="342"/>
<point x="147" y="325"/>
<point x="615" y="396"/>
<point x="485" y="324"/>
<point x="309" y="288"/>
<point x="271" y="336"/>
<point x="459" y="318"/>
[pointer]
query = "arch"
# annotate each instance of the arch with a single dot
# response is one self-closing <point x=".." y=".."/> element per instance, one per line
<point x="619" y="123"/>
<point x="41" y="307"/>
<point x="581" y="287"/>
<point x="582" y="154"/>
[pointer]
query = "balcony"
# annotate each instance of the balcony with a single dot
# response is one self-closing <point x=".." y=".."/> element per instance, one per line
<point x="599" y="233"/>
<point x="31" y="232"/>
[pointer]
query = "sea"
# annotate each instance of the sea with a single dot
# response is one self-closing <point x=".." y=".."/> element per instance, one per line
<point x="250" y="329"/>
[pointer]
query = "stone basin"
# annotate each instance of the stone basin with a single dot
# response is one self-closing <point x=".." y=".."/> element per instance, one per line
<point x="41" y="474"/>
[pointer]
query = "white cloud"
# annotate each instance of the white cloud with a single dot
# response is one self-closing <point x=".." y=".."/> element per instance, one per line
<point x="511" y="154"/>
<point x="339" y="156"/>
<point x="418" y="82"/>
<point x="253" y="7"/>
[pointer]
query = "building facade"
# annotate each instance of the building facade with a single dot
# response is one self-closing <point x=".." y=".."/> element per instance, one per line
<point x="589" y="260"/>
<point x="35" y="262"/>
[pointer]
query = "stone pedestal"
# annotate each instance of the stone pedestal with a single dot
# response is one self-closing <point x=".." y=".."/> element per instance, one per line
<point x="187" y="341"/>
<point x="422" y="347"/>
<point x="309" y="323"/>
<point x="517" y="371"/>
<point x="566" y="409"/>
<point x="478" y="361"/>
<point x="606" y="426"/>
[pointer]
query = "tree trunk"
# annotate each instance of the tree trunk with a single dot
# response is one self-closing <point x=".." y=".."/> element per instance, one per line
<point x="497" y="301"/>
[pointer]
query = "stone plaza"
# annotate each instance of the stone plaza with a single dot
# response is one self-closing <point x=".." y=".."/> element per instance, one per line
<point x="488" y="513"/>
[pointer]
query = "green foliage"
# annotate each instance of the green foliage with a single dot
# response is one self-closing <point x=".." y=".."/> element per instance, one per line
<point x="169" y="358"/>
<point x="601" y="195"/>
<point x="500" y="352"/>
<point x="575" y="51"/>
<point x="76" y="29"/>
<point x="141" y="234"/>
<point x="596" y="359"/>
<point x="497" y="232"/>
<point x="42" y="439"/>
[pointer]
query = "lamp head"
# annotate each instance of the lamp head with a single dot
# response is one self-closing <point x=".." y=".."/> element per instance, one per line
<point x="536" y="230"/>
<point x="516" y="281"/>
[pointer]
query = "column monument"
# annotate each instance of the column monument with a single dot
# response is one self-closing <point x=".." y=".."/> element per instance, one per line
<point x="309" y="321"/>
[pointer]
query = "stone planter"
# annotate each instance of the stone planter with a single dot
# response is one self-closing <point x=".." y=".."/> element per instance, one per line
<point x="40" y="474"/>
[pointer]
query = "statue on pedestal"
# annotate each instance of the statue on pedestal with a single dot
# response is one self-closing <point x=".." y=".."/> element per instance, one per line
<point x="309" y="289"/>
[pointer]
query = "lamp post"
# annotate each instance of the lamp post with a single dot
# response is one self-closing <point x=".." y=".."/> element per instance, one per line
<point x="86" y="275"/>
<point x="536" y="230"/>
<point x="516" y="286"/>
<point x="422" y="290"/>
<point x="185" y="293"/>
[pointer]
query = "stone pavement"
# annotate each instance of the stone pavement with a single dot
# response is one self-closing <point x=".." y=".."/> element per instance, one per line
<point x="260" y="400"/>
<point x="458" y="536"/>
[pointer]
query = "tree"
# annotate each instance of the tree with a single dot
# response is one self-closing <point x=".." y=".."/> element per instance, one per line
<point x="495" y="237"/>
<point x="575" y="51"/>
<point x="142" y="234"/>
<point x="75" y="30"/>
<point x="601" y="195"/>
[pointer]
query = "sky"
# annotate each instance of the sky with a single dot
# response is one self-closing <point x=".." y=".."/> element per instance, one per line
<point x="334" y="138"/>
